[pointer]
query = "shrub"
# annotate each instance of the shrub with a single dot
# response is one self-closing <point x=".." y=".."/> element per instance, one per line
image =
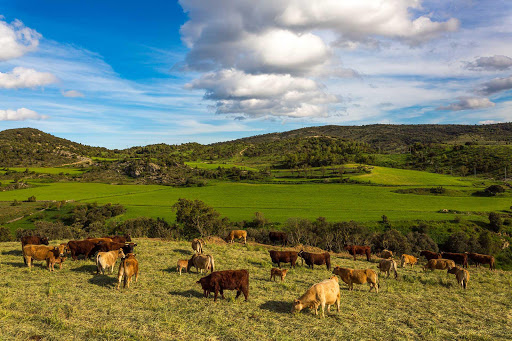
<point x="15" y="203"/>
<point x="31" y="199"/>
<point x="438" y="190"/>
<point x="494" y="190"/>
<point x="5" y="234"/>
<point x="421" y="241"/>
<point x="495" y="222"/>
<point x="457" y="242"/>
<point x="392" y="240"/>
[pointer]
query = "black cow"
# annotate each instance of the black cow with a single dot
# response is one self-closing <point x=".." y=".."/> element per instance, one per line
<point x="284" y="257"/>
<point x="279" y="237"/>
<point x="219" y="281"/>
<point x="312" y="259"/>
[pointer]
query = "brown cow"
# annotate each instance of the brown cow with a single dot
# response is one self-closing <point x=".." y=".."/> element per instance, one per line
<point x="197" y="245"/>
<point x="129" y="266"/>
<point x="33" y="240"/>
<point x="80" y="247"/>
<point x="359" y="250"/>
<point x="458" y="258"/>
<point x="40" y="252"/>
<point x="439" y="264"/>
<point x="430" y="255"/>
<point x="351" y="276"/>
<point x="120" y="239"/>
<point x="388" y="265"/>
<point x="108" y="259"/>
<point x="111" y="246"/>
<point x="284" y="257"/>
<point x="182" y="264"/>
<point x="201" y="262"/>
<point x="219" y="281"/>
<point x="278" y="272"/>
<point x="55" y="256"/>
<point x="482" y="259"/>
<point x="97" y="240"/>
<point x="408" y="259"/>
<point x="462" y="276"/>
<point x="312" y="259"/>
<point x="280" y="237"/>
<point x="238" y="234"/>
<point x="322" y="294"/>
<point x="386" y="254"/>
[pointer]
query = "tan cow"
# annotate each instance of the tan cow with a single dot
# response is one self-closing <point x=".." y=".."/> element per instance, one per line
<point x="408" y="259"/>
<point x="320" y="294"/>
<point x="42" y="252"/>
<point x="386" y="254"/>
<point x="388" y="265"/>
<point x="278" y="272"/>
<point x="108" y="259"/>
<point x="237" y="234"/>
<point x="56" y="256"/>
<point x="197" y="245"/>
<point x="462" y="275"/>
<point x="439" y="264"/>
<point x="129" y="266"/>
<point x="351" y="276"/>
<point x="201" y="262"/>
<point x="182" y="264"/>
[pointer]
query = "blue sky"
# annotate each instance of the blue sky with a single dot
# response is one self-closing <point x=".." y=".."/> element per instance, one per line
<point x="124" y="73"/>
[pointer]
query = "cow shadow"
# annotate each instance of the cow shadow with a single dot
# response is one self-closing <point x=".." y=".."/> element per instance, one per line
<point x="18" y="265"/>
<point x="103" y="280"/>
<point x="188" y="293"/>
<point x="12" y="253"/>
<point x="183" y="251"/>
<point x="277" y="306"/>
<point x="86" y="268"/>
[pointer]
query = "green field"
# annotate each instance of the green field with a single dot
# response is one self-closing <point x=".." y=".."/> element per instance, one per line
<point x="75" y="304"/>
<point x="208" y="165"/>
<point x="48" y="170"/>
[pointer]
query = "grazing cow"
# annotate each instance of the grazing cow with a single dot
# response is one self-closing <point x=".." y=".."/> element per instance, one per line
<point x="120" y="239"/>
<point x="33" y="240"/>
<point x="219" y="281"/>
<point x="97" y="240"/>
<point x="482" y="259"/>
<point x="408" y="259"/>
<point x="386" y="254"/>
<point x="359" y="250"/>
<point x="111" y="246"/>
<point x="430" y="255"/>
<point x="351" y="276"/>
<point x="182" y="264"/>
<point x="458" y="258"/>
<point x="201" y="262"/>
<point x="238" y="234"/>
<point x="388" y="265"/>
<point x="278" y="272"/>
<point x="462" y="275"/>
<point x="439" y="264"/>
<point x="284" y="257"/>
<point x="80" y="247"/>
<point x="197" y="245"/>
<point x="41" y="252"/>
<point x="279" y="237"/>
<point x="316" y="258"/>
<point x="129" y="266"/>
<point x="108" y="259"/>
<point x="320" y="294"/>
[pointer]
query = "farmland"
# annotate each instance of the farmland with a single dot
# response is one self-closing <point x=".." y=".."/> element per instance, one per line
<point x="75" y="304"/>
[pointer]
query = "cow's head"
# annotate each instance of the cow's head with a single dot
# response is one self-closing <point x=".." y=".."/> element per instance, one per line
<point x="301" y="253"/>
<point x="121" y="254"/>
<point x="128" y="247"/>
<point x="297" y="306"/>
<point x="452" y="270"/>
<point x="62" y="249"/>
<point x="128" y="237"/>
<point x="44" y="240"/>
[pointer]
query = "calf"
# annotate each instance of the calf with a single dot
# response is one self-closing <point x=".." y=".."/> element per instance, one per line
<point x="182" y="264"/>
<point x="226" y="280"/>
<point x="312" y="259"/>
<point x="284" y="257"/>
<point x="388" y="265"/>
<point x="108" y="259"/>
<point x="238" y="234"/>
<point x="55" y="256"/>
<point x="458" y="258"/>
<point x="279" y="237"/>
<point x="80" y="247"/>
<point x="482" y="259"/>
<point x="278" y="272"/>
<point x="351" y="276"/>
<point x="430" y="255"/>
<point x="462" y="275"/>
<point x="359" y="250"/>
<point x="320" y="294"/>
<point x="439" y="264"/>
<point x="197" y="245"/>
<point x="408" y="259"/>
<point x="386" y="254"/>
<point x="129" y="266"/>
<point x="201" y="262"/>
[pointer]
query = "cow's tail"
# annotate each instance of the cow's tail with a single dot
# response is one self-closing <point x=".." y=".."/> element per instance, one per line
<point x="212" y="263"/>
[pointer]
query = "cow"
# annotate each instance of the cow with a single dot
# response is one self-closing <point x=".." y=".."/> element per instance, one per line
<point x="430" y="255"/>
<point x="129" y="266"/>
<point x="388" y="265"/>
<point x="219" y="281"/>
<point x="55" y="256"/>
<point x="182" y="264"/>
<point x="482" y="259"/>
<point x="279" y="237"/>
<point x="312" y="259"/>
<point x="439" y="264"/>
<point x="97" y="240"/>
<point x="351" y="276"/>
<point x="386" y="254"/>
<point x="80" y="247"/>
<point x="458" y="258"/>
<point x="42" y="252"/>
<point x="408" y="259"/>
<point x="284" y="257"/>
<point x="358" y="250"/>
<point x="238" y="234"/>
<point x="325" y="293"/>
<point x="278" y="272"/>
<point x="197" y="245"/>
<point x="462" y="275"/>
<point x="201" y="262"/>
<point x="111" y="246"/>
<point x="33" y="240"/>
<point x="120" y="239"/>
<point x="108" y="259"/>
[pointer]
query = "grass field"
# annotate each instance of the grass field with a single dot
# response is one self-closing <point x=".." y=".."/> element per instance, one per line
<point x="48" y="170"/>
<point x="75" y="304"/>
<point x="207" y="165"/>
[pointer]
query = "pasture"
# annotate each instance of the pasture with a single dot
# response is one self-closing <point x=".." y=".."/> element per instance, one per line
<point x="75" y="304"/>
<point x="46" y="170"/>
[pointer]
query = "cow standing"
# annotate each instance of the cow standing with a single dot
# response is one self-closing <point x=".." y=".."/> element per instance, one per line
<point x="127" y="269"/>
<point x="226" y="280"/>
<point x="237" y="234"/>
<point x="482" y="259"/>
<point x="359" y="250"/>
<point x="278" y="237"/>
<point x="279" y="257"/>
<point x="312" y="259"/>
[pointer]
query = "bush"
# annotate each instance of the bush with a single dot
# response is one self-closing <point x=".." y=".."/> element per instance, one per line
<point x="494" y="190"/>
<point x="495" y="222"/>
<point x="438" y="190"/>
<point x="52" y="230"/>
<point x="392" y="240"/>
<point x="421" y="241"/>
<point x="457" y="242"/>
<point x="16" y="203"/>
<point x="31" y="199"/>
<point x="148" y="227"/>
<point x="5" y="234"/>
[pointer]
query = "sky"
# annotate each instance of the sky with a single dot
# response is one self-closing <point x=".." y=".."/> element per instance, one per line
<point x="125" y="73"/>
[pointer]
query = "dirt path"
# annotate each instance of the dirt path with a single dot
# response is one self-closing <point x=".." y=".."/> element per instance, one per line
<point x="24" y="216"/>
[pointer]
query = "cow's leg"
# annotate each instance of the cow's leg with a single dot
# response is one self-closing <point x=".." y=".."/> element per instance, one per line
<point x="238" y="292"/>
<point x="245" y="240"/>
<point x="120" y="276"/>
<point x="216" y="294"/>
<point x="222" y="294"/>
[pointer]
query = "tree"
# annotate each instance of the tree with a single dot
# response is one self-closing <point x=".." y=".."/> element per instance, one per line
<point x="197" y="217"/>
<point x="494" y="189"/>
<point x="495" y="222"/>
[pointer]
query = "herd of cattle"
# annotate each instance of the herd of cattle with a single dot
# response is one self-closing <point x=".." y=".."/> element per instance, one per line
<point x="107" y="250"/>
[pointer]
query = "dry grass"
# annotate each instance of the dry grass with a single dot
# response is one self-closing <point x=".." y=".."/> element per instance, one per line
<point x="75" y="304"/>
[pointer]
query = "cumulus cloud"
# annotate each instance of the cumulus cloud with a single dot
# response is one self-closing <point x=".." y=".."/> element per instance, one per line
<point x="72" y="93"/>
<point x="494" y="63"/>
<point x="21" y="77"/>
<point x="489" y="122"/>
<point x="496" y="85"/>
<point x="468" y="103"/>
<point x="20" y="115"/>
<point x="16" y="39"/>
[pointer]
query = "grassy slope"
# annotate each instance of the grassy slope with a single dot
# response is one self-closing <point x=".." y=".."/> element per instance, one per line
<point x="208" y="165"/>
<point x="48" y="170"/>
<point x="73" y="303"/>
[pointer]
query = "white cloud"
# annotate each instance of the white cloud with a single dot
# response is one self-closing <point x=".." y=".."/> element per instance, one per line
<point x="72" y="93"/>
<point x="20" y="115"/>
<point x="497" y="62"/>
<point x="496" y="85"/>
<point x="489" y="122"/>
<point x="16" y="39"/>
<point x="468" y="103"/>
<point x="21" y="77"/>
